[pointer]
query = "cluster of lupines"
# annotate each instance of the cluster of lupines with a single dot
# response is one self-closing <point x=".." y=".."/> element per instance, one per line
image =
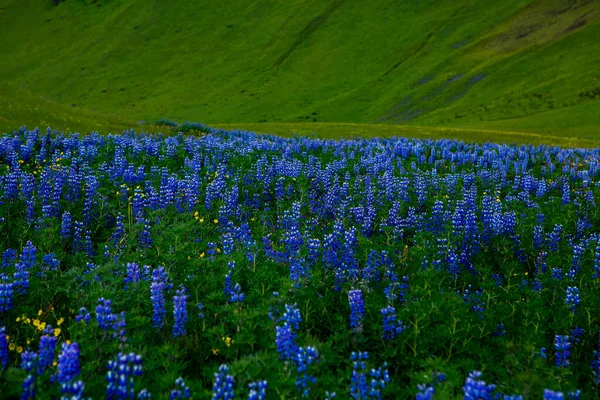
<point x="450" y="203"/>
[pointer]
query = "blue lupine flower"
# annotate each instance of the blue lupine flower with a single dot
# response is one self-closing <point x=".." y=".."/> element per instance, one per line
<point x="120" y="376"/>
<point x="476" y="389"/>
<point x="391" y="327"/>
<point x="104" y="314"/>
<point x="28" y="359"/>
<point x="425" y="392"/>
<point x="21" y="279"/>
<point x="258" y="390"/>
<point x="224" y="384"/>
<point x="119" y="230"/>
<point x="83" y="315"/>
<point x="46" y="352"/>
<point x="118" y="326"/>
<point x="285" y="342"/>
<point x="236" y="294"/>
<point x="182" y="391"/>
<point x="572" y="299"/>
<point x="50" y="263"/>
<point x="305" y="357"/>
<point x="68" y="370"/>
<point x="292" y="316"/>
<point x="357" y="310"/>
<point x="145" y="239"/>
<point x="8" y="258"/>
<point x="132" y="274"/>
<point x="552" y="395"/>
<point x="360" y="388"/>
<point x="562" y="345"/>
<point x="157" y="297"/>
<point x="180" y="312"/>
<point x="28" y="388"/>
<point x="557" y="274"/>
<point x="380" y="377"/>
<point x="3" y="349"/>
<point x="6" y="293"/>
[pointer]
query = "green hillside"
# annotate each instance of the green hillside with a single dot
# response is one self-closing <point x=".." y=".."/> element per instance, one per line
<point x="508" y="65"/>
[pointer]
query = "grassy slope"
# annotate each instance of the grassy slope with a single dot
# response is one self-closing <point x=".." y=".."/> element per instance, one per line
<point x="385" y="61"/>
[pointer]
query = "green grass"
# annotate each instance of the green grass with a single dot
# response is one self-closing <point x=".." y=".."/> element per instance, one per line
<point x="22" y="108"/>
<point x="517" y="66"/>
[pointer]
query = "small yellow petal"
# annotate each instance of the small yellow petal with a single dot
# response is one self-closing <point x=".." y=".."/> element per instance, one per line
<point x="60" y="321"/>
<point x="57" y="332"/>
<point x="215" y="221"/>
<point x="40" y="312"/>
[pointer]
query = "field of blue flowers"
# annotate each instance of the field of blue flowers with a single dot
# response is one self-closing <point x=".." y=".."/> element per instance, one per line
<point x="234" y="265"/>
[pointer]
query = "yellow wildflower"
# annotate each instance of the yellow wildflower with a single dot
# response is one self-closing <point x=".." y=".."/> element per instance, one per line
<point x="36" y="322"/>
<point x="19" y="349"/>
<point x="57" y="331"/>
<point x="40" y="312"/>
<point x="11" y="347"/>
<point x="60" y="321"/>
<point x="201" y="255"/>
<point x="215" y="220"/>
<point x="215" y="351"/>
<point x="28" y="321"/>
<point x="201" y="219"/>
<point x="41" y="326"/>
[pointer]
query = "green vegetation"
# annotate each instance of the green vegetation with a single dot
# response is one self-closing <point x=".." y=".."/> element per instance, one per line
<point x="526" y="66"/>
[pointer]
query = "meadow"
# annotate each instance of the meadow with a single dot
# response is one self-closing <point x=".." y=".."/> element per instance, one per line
<point x="221" y="264"/>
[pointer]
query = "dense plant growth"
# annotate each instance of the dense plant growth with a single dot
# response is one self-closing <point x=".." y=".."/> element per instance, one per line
<point x="235" y="264"/>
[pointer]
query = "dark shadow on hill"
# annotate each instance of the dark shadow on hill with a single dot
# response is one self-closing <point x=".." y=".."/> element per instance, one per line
<point x="310" y="28"/>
